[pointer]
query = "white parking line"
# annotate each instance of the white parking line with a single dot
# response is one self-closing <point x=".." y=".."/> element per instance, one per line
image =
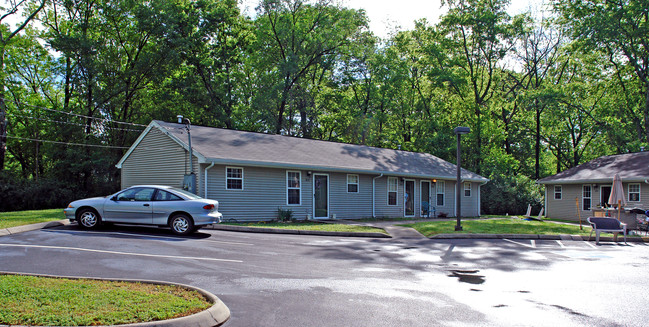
<point x="117" y="252"/>
<point x="146" y="236"/>
<point x="531" y="245"/>
<point x="561" y="244"/>
<point x="591" y="245"/>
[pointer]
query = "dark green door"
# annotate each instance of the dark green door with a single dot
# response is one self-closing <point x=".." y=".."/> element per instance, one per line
<point x="321" y="196"/>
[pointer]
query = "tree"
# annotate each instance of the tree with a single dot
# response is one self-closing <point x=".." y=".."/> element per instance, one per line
<point x="479" y="34"/>
<point x="6" y="35"/>
<point x="294" y="38"/>
<point x="621" y="29"/>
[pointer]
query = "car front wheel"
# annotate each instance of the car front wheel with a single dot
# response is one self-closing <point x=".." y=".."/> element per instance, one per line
<point x="181" y="224"/>
<point x="89" y="219"/>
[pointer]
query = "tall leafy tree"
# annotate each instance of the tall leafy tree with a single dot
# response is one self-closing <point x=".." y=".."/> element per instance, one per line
<point x="479" y="35"/>
<point x="621" y="29"/>
<point x="294" y="37"/>
<point x="7" y="33"/>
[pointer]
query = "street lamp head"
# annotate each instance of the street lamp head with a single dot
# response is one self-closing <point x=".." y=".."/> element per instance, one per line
<point x="461" y="130"/>
<point x="180" y="119"/>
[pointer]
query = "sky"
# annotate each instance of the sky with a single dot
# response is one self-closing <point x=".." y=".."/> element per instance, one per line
<point x="386" y="16"/>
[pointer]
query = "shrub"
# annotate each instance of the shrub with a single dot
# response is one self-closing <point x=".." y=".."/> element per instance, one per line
<point x="284" y="215"/>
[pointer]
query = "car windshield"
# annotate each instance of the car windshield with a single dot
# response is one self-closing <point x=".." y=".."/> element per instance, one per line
<point x="190" y="195"/>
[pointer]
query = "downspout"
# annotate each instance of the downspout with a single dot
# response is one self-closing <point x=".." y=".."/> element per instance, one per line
<point x="205" y="175"/>
<point x="374" y="195"/>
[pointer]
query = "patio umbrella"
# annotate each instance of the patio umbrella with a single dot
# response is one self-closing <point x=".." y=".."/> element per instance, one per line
<point x="617" y="194"/>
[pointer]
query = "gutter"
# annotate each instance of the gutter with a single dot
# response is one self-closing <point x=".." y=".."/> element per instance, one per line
<point x="205" y="176"/>
<point x="374" y="195"/>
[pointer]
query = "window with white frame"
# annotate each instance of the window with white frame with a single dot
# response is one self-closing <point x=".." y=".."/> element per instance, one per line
<point x="393" y="186"/>
<point x="293" y="187"/>
<point x="467" y="189"/>
<point x="352" y="183"/>
<point x="440" y="186"/>
<point x="234" y="178"/>
<point x="586" y="197"/>
<point x="634" y="192"/>
<point x="557" y="192"/>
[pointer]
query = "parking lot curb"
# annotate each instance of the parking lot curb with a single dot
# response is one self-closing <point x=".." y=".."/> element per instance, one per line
<point x="31" y="227"/>
<point x="232" y="228"/>
<point x="216" y="315"/>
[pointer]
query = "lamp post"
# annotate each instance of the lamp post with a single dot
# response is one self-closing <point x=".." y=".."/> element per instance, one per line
<point x="459" y="131"/>
<point x="182" y="120"/>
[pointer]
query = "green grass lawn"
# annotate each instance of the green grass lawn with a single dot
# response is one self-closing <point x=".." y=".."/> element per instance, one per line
<point x="312" y="226"/>
<point x="498" y="226"/>
<point x="41" y="301"/>
<point x="19" y="218"/>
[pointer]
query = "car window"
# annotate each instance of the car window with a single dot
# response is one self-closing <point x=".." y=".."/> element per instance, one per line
<point x="188" y="194"/>
<point x="136" y="194"/>
<point x="166" y="196"/>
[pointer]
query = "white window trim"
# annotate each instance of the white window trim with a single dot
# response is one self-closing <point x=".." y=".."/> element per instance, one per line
<point x="227" y="178"/>
<point x="395" y="191"/>
<point x="443" y="184"/>
<point x="628" y="194"/>
<point x="584" y="197"/>
<point x="299" y="173"/>
<point x="465" y="189"/>
<point x="555" y="193"/>
<point x="358" y="183"/>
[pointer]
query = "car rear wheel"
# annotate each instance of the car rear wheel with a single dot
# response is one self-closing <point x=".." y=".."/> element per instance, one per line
<point x="89" y="219"/>
<point x="181" y="224"/>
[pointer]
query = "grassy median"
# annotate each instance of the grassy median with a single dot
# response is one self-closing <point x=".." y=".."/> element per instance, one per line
<point x="498" y="226"/>
<point x="312" y="226"/>
<point x="19" y="218"/>
<point x="43" y="301"/>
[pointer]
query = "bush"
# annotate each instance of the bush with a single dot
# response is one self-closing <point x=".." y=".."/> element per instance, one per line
<point x="507" y="194"/>
<point x="21" y="194"/>
<point x="284" y="215"/>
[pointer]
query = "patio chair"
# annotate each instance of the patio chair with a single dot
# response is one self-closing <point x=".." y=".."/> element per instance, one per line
<point x="607" y="225"/>
<point x="426" y="209"/>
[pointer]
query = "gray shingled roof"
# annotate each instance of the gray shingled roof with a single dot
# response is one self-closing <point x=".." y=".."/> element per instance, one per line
<point x="632" y="167"/>
<point x="224" y="146"/>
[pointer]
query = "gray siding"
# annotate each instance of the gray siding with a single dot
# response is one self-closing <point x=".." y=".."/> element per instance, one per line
<point x="156" y="160"/>
<point x="566" y="208"/>
<point x="347" y="205"/>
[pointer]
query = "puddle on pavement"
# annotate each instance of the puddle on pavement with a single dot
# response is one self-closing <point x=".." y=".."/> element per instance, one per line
<point x="467" y="276"/>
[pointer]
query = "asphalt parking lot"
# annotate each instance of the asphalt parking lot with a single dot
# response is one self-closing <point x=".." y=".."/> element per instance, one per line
<point x="303" y="280"/>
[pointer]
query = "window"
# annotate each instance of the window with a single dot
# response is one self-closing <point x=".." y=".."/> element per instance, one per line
<point x="136" y="194"/>
<point x="634" y="192"/>
<point x="467" y="189"/>
<point x="440" y="187"/>
<point x="586" y="197"/>
<point x="293" y="191"/>
<point x="352" y="183"/>
<point x="392" y="191"/>
<point x="234" y="178"/>
<point x="166" y="196"/>
<point x="557" y="192"/>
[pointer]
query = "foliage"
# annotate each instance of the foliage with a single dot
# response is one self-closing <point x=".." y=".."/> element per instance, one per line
<point x="284" y="215"/>
<point x="20" y="194"/>
<point x="41" y="301"/>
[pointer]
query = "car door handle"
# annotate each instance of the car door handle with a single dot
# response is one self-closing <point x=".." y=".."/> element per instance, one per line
<point x="146" y="204"/>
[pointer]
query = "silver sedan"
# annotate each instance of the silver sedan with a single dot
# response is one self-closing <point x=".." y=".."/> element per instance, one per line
<point x="162" y="206"/>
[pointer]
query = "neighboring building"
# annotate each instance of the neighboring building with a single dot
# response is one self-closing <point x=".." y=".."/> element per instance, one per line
<point x="254" y="174"/>
<point x="588" y="186"/>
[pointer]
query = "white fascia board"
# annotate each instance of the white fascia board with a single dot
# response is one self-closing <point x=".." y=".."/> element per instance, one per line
<point x="153" y="124"/>
<point x="284" y="165"/>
